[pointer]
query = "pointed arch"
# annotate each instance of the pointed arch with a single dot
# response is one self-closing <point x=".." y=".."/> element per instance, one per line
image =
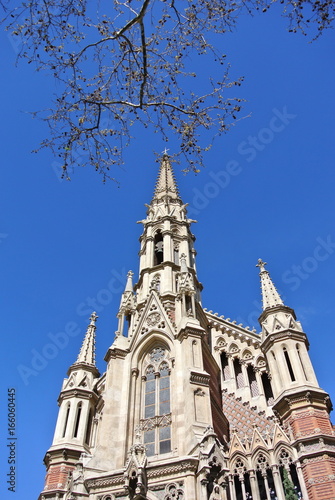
<point x="284" y="456"/>
<point x="233" y="348"/>
<point x="261" y="459"/>
<point x="289" y="364"/>
<point x="239" y="464"/>
<point x="67" y="410"/>
<point x="260" y="362"/>
<point x="246" y="354"/>
<point x="149" y="340"/>
<point x="158" y="248"/>
<point x="77" y="420"/>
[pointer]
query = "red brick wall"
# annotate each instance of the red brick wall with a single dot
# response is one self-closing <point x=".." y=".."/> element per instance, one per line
<point x="57" y="477"/>
<point x="305" y="423"/>
<point x="319" y="475"/>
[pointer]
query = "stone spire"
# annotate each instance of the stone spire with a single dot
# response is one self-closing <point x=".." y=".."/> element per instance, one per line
<point x="129" y="284"/>
<point x="166" y="183"/>
<point x="270" y="295"/>
<point x="87" y="351"/>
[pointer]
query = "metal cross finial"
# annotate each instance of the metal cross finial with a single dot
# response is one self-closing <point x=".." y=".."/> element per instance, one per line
<point x="165" y="151"/>
<point x="93" y="317"/>
<point x="261" y="265"/>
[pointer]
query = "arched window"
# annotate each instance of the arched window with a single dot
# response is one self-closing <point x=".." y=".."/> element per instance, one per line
<point x="158" y="248"/>
<point x="267" y="389"/>
<point x="241" y="476"/>
<point x="252" y="381"/>
<point x="288" y="362"/>
<point x="238" y="374"/>
<point x="156" y="423"/>
<point x="89" y="427"/>
<point x="66" y="419"/>
<point x="77" y="421"/>
<point x="225" y="366"/>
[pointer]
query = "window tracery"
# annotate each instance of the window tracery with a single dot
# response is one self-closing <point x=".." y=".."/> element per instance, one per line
<point x="284" y="458"/>
<point x="262" y="464"/>
<point x="156" y="422"/>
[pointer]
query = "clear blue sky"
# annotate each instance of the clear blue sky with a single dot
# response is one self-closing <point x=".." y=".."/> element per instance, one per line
<point x="267" y="191"/>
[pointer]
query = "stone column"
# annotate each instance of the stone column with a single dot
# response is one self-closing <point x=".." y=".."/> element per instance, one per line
<point x="301" y="481"/>
<point x="167" y="254"/>
<point x="277" y="385"/>
<point x="277" y="482"/>
<point x="94" y="431"/>
<point x="85" y="404"/>
<point x="231" y="487"/>
<point x="285" y="375"/>
<point x="305" y="359"/>
<point x="149" y="260"/>
<point x="259" y="381"/>
<point x="243" y="487"/>
<point x="267" y="489"/>
<point x="62" y="415"/>
<point x="133" y="382"/>
<point x="245" y="375"/>
<point x="232" y="381"/>
<point x="253" y="485"/>
<point x="72" y="418"/>
<point x="203" y="489"/>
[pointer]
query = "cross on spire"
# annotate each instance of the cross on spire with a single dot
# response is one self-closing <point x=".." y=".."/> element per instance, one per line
<point x="261" y="264"/>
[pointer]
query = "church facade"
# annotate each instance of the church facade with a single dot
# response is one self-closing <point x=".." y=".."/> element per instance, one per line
<point x="192" y="405"/>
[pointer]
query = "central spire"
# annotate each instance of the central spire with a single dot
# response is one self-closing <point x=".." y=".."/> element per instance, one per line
<point x="166" y="183"/>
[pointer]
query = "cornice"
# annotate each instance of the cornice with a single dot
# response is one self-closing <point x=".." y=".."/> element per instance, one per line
<point x="85" y="367"/>
<point x="297" y="399"/>
<point x="78" y="392"/>
<point x="115" y="352"/>
<point x="283" y="335"/>
<point x="190" y="331"/>
<point x="200" y="378"/>
<point x="186" y="465"/>
<point x="276" y="309"/>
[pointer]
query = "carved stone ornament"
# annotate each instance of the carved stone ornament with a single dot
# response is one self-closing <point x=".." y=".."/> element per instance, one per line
<point x="173" y="492"/>
<point x="153" y="319"/>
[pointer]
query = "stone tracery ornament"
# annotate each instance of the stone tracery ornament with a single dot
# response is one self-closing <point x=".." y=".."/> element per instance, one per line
<point x="153" y="318"/>
<point x="284" y="458"/>
<point x="262" y="464"/>
<point x="173" y="492"/>
<point x="158" y="353"/>
<point x="240" y="467"/>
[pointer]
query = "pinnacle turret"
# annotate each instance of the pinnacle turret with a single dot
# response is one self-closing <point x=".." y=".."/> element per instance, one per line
<point x="166" y="183"/>
<point x="270" y="295"/>
<point x="87" y="351"/>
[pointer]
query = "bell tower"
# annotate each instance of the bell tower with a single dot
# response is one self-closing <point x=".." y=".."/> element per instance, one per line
<point x="167" y="255"/>
<point x="300" y="404"/>
<point x="161" y="420"/>
<point x="77" y="402"/>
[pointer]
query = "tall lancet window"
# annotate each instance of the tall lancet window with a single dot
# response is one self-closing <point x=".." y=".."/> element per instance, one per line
<point x="156" y="424"/>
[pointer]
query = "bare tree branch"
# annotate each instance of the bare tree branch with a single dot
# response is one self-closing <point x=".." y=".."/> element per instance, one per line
<point x="124" y="62"/>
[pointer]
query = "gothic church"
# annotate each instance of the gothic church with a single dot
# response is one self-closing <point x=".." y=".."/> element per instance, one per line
<point x="192" y="406"/>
